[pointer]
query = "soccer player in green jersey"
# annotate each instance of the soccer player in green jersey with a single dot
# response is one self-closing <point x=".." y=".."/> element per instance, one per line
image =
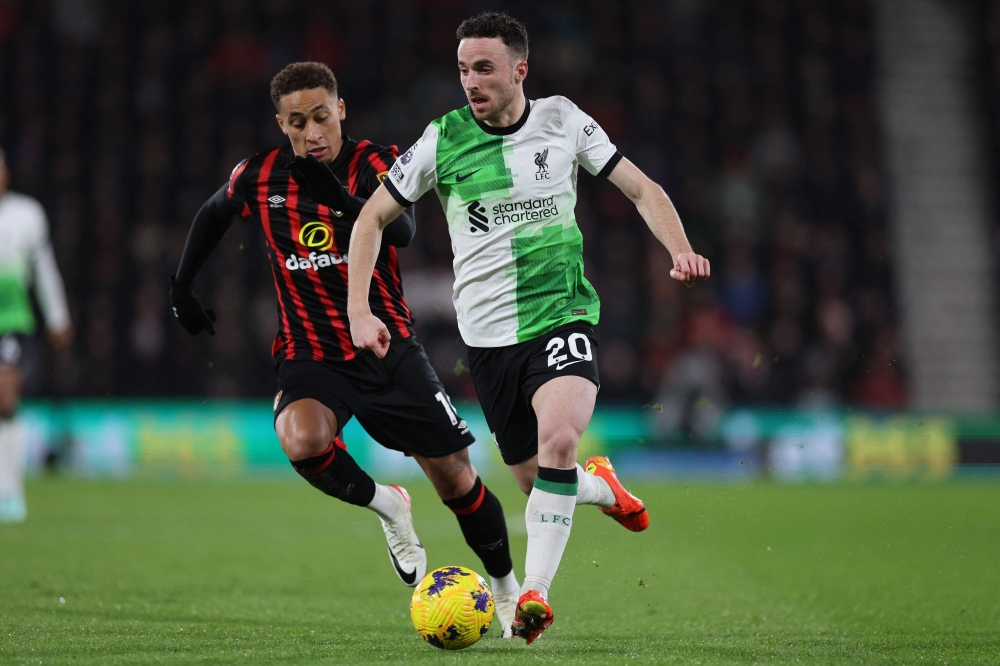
<point x="505" y="171"/>
<point x="26" y="261"/>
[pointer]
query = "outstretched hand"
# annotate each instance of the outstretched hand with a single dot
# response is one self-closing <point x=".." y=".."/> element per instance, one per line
<point x="193" y="317"/>
<point x="368" y="332"/>
<point x="690" y="268"/>
<point x="322" y="186"/>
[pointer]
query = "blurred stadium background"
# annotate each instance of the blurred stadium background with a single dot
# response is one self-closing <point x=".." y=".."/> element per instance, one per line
<point x="836" y="161"/>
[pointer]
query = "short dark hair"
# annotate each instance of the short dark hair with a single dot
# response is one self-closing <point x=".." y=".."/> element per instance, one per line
<point x="497" y="24"/>
<point x="301" y="76"/>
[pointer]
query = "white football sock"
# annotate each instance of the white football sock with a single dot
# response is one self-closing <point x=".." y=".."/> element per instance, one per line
<point x="506" y="591"/>
<point x="506" y="585"/>
<point x="548" y="517"/>
<point x="593" y="490"/>
<point x="388" y="503"/>
<point x="11" y="458"/>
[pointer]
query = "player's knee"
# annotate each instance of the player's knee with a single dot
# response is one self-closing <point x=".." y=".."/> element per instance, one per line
<point x="448" y="489"/>
<point x="453" y="476"/>
<point x="301" y="444"/>
<point x="559" y="441"/>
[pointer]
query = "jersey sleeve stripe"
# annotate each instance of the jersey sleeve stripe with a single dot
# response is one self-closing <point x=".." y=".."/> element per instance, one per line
<point x="610" y="166"/>
<point x="400" y="199"/>
<point x="237" y="172"/>
<point x="231" y="189"/>
<point x="352" y="170"/>
<point x="377" y="162"/>
<point x="265" y="220"/>
<point x="390" y="307"/>
<point x="396" y="281"/>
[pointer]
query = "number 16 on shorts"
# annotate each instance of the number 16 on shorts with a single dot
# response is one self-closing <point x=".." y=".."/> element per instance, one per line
<point x="449" y="409"/>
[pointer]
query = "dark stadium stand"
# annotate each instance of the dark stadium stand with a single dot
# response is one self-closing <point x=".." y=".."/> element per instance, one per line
<point x="756" y="117"/>
<point x="987" y="19"/>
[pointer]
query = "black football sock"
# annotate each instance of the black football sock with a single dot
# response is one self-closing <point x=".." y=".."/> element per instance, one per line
<point x="481" y="518"/>
<point x="337" y="474"/>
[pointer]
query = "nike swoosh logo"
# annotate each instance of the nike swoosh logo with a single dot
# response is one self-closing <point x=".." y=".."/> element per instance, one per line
<point x="460" y="177"/>
<point x="407" y="578"/>
<point x="563" y="365"/>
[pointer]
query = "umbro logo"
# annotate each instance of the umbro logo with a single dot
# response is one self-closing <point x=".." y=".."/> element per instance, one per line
<point x="276" y="201"/>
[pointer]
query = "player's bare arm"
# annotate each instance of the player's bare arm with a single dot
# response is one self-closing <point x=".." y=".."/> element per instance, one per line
<point x="367" y="330"/>
<point x="659" y="213"/>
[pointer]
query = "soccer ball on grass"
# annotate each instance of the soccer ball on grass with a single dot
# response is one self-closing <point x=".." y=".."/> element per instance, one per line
<point x="452" y="608"/>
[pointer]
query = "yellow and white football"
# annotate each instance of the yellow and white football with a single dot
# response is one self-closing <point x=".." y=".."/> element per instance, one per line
<point x="452" y="608"/>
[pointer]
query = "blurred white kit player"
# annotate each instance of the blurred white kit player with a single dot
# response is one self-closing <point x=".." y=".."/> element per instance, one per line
<point x="26" y="262"/>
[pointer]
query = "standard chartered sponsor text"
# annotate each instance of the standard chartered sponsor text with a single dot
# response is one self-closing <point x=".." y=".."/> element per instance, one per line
<point x="524" y="211"/>
<point x="315" y="260"/>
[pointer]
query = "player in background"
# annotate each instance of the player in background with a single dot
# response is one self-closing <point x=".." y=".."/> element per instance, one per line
<point x="26" y="261"/>
<point x="322" y="379"/>
<point x="505" y="169"/>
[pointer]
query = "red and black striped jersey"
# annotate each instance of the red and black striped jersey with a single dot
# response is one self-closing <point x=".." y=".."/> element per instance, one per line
<point x="307" y="247"/>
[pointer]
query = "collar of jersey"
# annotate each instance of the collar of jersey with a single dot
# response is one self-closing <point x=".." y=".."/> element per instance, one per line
<point x="510" y="129"/>
<point x="345" y="155"/>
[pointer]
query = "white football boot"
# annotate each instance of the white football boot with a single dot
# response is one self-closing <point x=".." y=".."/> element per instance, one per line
<point x="405" y="550"/>
<point x="506" y="591"/>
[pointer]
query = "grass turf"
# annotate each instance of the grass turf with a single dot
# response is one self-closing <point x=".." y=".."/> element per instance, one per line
<point x="273" y="572"/>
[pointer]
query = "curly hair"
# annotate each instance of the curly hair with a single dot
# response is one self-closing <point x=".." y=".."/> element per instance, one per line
<point x="497" y="24"/>
<point x="301" y="76"/>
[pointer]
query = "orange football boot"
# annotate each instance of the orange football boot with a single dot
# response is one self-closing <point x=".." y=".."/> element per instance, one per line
<point x="532" y="617"/>
<point x="628" y="509"/>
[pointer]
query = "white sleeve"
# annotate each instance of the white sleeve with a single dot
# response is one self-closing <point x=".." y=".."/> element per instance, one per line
<point x="48" y="283"/>
<point x="415" y="171"/>
<point x="594" y="150"/>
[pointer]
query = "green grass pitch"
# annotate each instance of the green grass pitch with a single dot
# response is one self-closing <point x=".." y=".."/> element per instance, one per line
<point x="273" y="572"/>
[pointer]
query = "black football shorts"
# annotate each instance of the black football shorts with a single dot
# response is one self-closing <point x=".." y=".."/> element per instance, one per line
<point x="506" y="379"/>
<point x="398" y="400"/>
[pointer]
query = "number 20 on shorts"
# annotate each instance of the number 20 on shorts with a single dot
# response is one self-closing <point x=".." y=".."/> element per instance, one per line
<point x="578" y="346"/>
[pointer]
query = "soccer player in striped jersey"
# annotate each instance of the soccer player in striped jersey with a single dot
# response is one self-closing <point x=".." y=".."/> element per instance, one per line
<point x="505" y="170"/>
<point x="306" y="195"/>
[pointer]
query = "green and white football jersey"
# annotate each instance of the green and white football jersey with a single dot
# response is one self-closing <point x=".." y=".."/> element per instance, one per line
<point x="26" y="257"/>
<point x="509" y="195"/>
